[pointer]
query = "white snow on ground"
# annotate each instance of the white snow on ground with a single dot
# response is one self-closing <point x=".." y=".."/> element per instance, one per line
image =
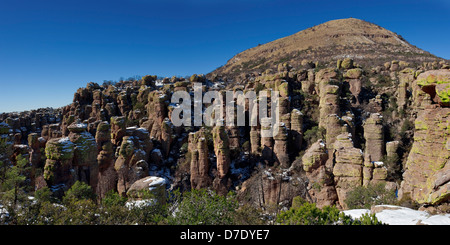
<point x="155" y="181"/>
<point x="396" y="215"/>
<point x="3" y="212"/>
<point x="140" y="203"/>
<point x="356" y="213"/>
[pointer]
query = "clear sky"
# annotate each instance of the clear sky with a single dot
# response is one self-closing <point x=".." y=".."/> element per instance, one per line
<point x="50" y="48"/>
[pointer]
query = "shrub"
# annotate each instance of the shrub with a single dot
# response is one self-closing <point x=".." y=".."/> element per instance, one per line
<point x="43" y="195"/>
<point x="314" y="134"/>
<point x="184" y="147"/>
<point x="367" y="219"/>
<point x="246" y="146"/>
<point x="308" y="214"/>
<point x="366" y="197"/>
<point x="149" y="80"/>
<point x="305" y="213"/>
<point x="204" y="207"/>
<point x="259" y="87"/>
<point x="79" y="191"/>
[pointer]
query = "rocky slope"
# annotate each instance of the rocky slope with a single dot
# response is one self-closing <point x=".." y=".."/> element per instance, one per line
<point x="364" y="42"/>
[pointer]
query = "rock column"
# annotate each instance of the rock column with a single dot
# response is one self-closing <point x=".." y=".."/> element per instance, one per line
<point x="373" y="134"/>
<point x="348" y="168"/>
<point x="107" y="176"/>
<point x="222" y="151"/>
<point x="199" y="165"/>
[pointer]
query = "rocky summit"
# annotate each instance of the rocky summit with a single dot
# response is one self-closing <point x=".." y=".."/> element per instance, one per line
<point x="358" y="105"/>
<point x="335" y="40"/>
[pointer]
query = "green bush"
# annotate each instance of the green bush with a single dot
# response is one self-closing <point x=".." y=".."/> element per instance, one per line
<point x="43" y="195"/>
<point x="309" y="214"/>
<point x="305" y="213"/>
<point x="149" y="80"/>
<point x="204" y="207"/>
<point x="367" y="219"/>
<point x="246" y="146"/>
<point x="79" y="191"/>
<point x="366" y="197"/>
<point x="314" y="134"/>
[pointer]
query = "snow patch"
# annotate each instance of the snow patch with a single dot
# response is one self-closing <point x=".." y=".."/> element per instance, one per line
<point x="397" y="215"/>
<point x="378" y="163"/>
<point x="155" y="181"/>
<point x="140" y="203"/>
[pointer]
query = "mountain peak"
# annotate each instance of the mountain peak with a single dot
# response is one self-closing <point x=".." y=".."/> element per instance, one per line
<point x="365" y="42"/>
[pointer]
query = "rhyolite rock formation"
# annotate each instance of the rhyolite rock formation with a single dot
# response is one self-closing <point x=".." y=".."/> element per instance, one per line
<point x="437" y="85"/>
<point x="133" y="156"/>
<point x="374" y="136"/>
<point x="348" y="167"/>
<point x="426" y="178"/>
<point x="221" y="148"/>
<point x="85" y="166"/>
<point x="107" y="176"/>
<point x="199" y="165"/>
<point x="320" y="180"/>
<point x="152" y="187"/>
<point x="343" y="123"/>
<point x="59" y="153"/>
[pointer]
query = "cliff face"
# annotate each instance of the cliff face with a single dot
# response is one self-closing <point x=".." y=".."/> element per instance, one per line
<point x="427" y="175"/>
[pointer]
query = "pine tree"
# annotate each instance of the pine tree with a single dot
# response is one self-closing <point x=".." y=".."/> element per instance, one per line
<point x="12" y="187"/>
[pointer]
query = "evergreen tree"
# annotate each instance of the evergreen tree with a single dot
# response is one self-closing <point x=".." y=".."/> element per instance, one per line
<point x="12" y="188"/>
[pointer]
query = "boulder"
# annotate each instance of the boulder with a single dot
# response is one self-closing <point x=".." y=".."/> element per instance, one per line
<point x="347" y="63"/>
<point x="354" y="73"/>
<point x="153" y="185"/>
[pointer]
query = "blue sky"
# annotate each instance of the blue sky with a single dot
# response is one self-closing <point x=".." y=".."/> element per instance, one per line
<point x="48" y="49"/>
